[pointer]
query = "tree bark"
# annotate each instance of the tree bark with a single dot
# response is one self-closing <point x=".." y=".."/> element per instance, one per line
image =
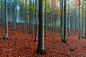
<point x="30" y="15"/>
<point x="85" y="20"/>
<point x="45" y="19"/>
<point x="6" y="21"/>
<point x="61" y="10"/>
<point x="25" y="16"/>
<point x="79" y="19"/>
<point x="40" y="48"/>
<point x="36" y="34"/>
<point x="64" y="40"/>
<point x="68" y="19"/>
<point x="15" y="16"/>
<point x="33" y="17"/>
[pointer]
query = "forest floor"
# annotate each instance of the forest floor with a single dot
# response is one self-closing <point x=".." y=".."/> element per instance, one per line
<point x="21" y="44"/>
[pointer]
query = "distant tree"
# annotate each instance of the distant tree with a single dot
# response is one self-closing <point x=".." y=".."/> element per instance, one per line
<point x="64" y="39"/>
<point x="1" y="11"/>
<point x="75" y="22"/>
<point x="45" y="19"/>
<point x="6" y="21"/>
<point x="68" y="18"/>
<point x="40" y="48"/>
<point x="61" y="17"/>
<point x="51" y="18"/>
<point x="10" y="12"/>
<point x="30" y="15"/>
<point x="25" y="16"/>
<point x="15" y="16"/>
<point x="79" y="19"/>
<point x="85" y="20"/>
<point x="33" y="17"/>
<point x="36" y="34"/>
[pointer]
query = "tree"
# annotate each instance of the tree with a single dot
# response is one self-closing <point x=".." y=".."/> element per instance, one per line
<point x="33" y="17"/>
<point x="61" y="10"/>
<point x="69" y="18"/>
<point x="85" y="20"/>
<point x="40" y="48"/>
<point x="79" y="19"/>
<point x="36" y="34"/>
<point x="6" y="21"/>
<point x="10" y="12"/>
<point x="30" y="15"/>
<point x="64" y="40"/>
<point x="15" y="16"/>
<point x="45" y="19"/>
<point x="25" y="16"/>
<point x="51" y="18"/>
<point x="1" y="11"/>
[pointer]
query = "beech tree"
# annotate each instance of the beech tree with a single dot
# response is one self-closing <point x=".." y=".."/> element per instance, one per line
<point x="25" y="16"/>
<point x="45" y="19"/>
<point x="36" y="34"/>
<point x="6" y="21"/>
<point x="64" y="39"/>
<point x="33" y="17"/>
<point x="85" y="19"/>
<point x="79" y="19"/>
<point x="15" y="16"/>
<point x="30" y="15"/>
<point x="40" y="48"/>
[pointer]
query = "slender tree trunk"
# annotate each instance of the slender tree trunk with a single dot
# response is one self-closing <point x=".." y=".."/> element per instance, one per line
<point x="61" y="10"/>
<point x="25" y="16"/>
<point x="55" y="23"/>
<point x="45" y="19"/>
<point x="30" y="15"/>
<point x="52" y="26"/>
<point x="23" y="13"/>
<point x="15" y="16"/>
<point x="82" y="20"/>
<point x="36" y="34"/>
<point x="1" y="11"/>
<point x="85" y="20"/>
<point x="79" y="19"/>
<point x="40" y="48"/>
<point x="64" y="40"/>
<point x="10" y="12"/>
<point x="75" y="23"/>
<point x="68" y="19"/>
<point x="33" y="17"/>
<point x="51" y="18"/>
<point x="6" y="21"/>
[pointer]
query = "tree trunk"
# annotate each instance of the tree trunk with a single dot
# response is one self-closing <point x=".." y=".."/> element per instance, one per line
<point x="33" y="17"/>
<point x="51" y="18"/>
<point x="79" y="19"/>
<point x="25" y="16"/>
<point x="64" y="40"/>
<point x="75" y="23"/>
<point x="1" y="11"/>
<point x="61" y="10"/>
<point x="45" y="19"/>
<point x="40" y="48"/>
<point x="36" y="34"/>
<point x="10" y="12"/>
<point x="85" y="20"/>
<point x="69" y="18"/>
<point x="15" y="16"/>
<point x="30" y="16"/>
<point x="6" y="21"/>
